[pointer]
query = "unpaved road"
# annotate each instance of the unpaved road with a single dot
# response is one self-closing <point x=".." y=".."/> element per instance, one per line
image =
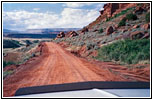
<point x="55" y="66"/>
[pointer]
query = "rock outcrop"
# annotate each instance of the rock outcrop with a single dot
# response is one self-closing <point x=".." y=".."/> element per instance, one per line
<point x="109" y="30"/>
<point x="146" y="26"/>
<point x="60" y="35"/>
<point x="71" y="34"/>
<point x="110" y="10"/>
<point x="136" y="35"/>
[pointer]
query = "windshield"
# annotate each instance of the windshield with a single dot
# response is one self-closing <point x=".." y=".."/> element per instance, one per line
<point x="48" y="43"/>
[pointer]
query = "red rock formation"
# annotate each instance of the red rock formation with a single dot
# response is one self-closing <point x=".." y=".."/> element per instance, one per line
<point x="110" y="10"/>
<point x="71" y="34"/>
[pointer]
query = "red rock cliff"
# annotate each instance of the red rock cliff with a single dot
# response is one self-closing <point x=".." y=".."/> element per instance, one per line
<point x="110" y="10"/>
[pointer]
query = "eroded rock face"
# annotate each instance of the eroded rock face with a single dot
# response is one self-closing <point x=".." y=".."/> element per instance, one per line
<point x="60" y="35"/>
<point x="110" y="10"/>
<point x="109" y="30"/>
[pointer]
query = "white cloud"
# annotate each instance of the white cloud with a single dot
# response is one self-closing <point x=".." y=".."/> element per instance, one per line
<point x="77" y="17"/>
<point x="76" y="5"/>
<point x="36" y="9"/>
<point x="68" y="18"/>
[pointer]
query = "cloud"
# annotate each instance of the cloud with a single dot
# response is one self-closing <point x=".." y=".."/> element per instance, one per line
<point x="36" y="9"/>
<point x="76" y="5"/>
<point x="77" y="17"/>
<point x="68" y="18"/>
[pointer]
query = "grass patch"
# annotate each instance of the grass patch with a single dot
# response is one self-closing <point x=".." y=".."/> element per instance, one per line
<point x="5" y="63"/>
<point x="126" y="51"/>
<point x="131" y="16"/>
<point x="6" y="73"/>
<point x="122" y="22"/>
<point x="147" y="17"/>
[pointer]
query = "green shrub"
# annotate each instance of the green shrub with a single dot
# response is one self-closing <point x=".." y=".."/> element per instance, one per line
<point x="101" y="30"/>
<point x="28" y="42"/>
<point x="122" y="22"/>
<point x="7" y="63"/>
<point x="36" y="41"/>
<point x="148" y="17"/>
<point x="126" y="51"/>
<point x="6" y="73"/>
<point x="131" y="16"/>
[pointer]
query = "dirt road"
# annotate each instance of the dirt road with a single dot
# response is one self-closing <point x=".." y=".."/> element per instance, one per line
<point x="55" y="66"/>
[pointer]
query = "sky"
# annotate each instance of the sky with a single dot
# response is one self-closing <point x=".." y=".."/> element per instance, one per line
<point x="22" y="16"/>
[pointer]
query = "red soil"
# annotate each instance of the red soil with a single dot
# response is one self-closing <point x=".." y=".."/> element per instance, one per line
<point x="57" y="66"/>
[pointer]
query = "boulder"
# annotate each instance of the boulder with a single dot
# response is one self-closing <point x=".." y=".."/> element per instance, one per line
<point x="139" y="10"/>
<point x="60" y="35"/>
<point x="124" y="30"/>
<point x="146" y="36"/>
<point x="136" y="35"/>
<point x="85" y="29"/>
<point x="95" y="30"/>
<point x="71" y="34"/>
<point x="109" y="30"/>
<point x="146" y="26"/>
<point x="136" y="26"/>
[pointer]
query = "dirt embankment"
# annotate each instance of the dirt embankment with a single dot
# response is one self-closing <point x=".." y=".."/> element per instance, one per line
<point x="56" y="66"/>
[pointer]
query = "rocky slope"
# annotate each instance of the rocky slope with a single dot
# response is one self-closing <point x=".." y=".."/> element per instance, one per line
<point x="110" y="26"/>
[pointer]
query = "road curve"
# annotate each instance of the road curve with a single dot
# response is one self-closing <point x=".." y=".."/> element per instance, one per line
<point x="54" y="66"/>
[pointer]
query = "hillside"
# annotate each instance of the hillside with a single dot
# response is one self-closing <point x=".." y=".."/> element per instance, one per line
<point x="116" y="22"/>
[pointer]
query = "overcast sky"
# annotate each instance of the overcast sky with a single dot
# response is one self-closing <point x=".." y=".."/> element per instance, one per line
<point x="21" y="16"/>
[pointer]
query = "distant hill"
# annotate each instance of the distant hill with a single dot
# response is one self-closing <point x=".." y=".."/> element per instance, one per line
<point x="50" y="30"/>
<point x="7" y="31"/>
<point x="36" y="33"/>
<point x="40" y="31"/>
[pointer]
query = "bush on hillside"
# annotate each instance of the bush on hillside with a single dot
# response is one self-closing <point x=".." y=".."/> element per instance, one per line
<point x="5" y="63"/>
<point x="36" y="41"/>
<point x="11" y="44"/>
<point x="148" y="17"/>
<point x="101" y="30"/>
<point x="131" y="16"/>
<point x="126" y="51"/>
<point x="122" y="22"/>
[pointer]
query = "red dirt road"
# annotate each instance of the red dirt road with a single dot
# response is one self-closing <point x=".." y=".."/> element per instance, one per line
<point x="55" y="66"/>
